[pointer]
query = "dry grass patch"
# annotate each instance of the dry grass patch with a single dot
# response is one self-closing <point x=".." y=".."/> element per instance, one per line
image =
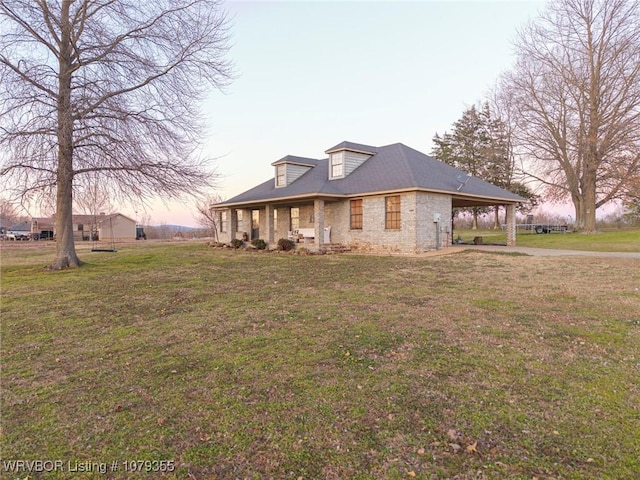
<point x="240" y="365"/>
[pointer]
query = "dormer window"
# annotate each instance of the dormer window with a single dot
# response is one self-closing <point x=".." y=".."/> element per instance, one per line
<point x="345" y="157"/>
<point x="281" y="178"/>
<point x="290" y="168"/>
<point x="337" y="165"/>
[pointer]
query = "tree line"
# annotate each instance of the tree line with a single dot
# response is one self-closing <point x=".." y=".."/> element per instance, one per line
<point x="566" y="115"/>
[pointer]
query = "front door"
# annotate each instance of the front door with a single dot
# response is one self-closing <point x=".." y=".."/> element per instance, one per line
<point x="255" y="224"/>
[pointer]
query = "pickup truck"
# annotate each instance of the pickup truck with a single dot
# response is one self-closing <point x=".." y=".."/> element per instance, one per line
<point x="16" y="236"/>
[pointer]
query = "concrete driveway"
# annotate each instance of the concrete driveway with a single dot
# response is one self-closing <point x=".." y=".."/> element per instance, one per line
<point x="546" y="252"/>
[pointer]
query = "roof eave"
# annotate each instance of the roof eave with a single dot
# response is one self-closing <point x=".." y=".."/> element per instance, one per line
<point x="290" y="162"/>
<point x="262" y="201"/>
<point x="316" y="195"/>
<point x="334" y="150"/>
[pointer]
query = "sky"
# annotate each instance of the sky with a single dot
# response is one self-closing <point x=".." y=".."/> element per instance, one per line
<point x="310" y="75"/>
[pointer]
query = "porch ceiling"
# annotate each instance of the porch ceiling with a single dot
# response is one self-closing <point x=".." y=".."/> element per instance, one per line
<point x="476" y="202"/>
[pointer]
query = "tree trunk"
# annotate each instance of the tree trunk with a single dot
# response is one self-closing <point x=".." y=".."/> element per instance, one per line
<point x="585" y="208"/>
<point x="496" y="217"/>
<point x="589" y="203"/>
<point x="65" y="247"/>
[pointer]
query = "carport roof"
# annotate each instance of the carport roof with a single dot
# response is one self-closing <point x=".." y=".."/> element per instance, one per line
<point x="391" y="168"/>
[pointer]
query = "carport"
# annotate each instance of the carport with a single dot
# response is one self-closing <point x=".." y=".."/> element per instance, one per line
<point x="464" y="201"/>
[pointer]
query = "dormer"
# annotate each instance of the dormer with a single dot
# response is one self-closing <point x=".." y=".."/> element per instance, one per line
<point x="290" y="168"/>
<point x="345" y="157"/>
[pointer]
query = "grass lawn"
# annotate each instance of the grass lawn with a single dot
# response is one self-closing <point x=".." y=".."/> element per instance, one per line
<point x="228" y="365"/>
<point x="606" y="241"/>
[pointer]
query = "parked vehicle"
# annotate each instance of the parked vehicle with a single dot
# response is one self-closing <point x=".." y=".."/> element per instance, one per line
<point x="16" y="236"/>
<point x="546" y="228"/>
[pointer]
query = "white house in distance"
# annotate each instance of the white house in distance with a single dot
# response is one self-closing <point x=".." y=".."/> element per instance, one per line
<point x="391" y="199"/>
<point x="105" y="227"/>
<point x="115" y="227"/>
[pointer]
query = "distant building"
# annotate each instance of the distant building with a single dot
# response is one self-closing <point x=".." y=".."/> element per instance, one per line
<point x="104" y="227"/>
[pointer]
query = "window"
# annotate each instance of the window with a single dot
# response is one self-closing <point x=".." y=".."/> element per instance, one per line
<point x="356" y="214"/>
<point x="223" y="222"/>
<point x="239" y="217"/>
<point x="80" y="227"/>
<point x="337" y="165"/>
<point x="295" y="218"/>
<point x="281" y="178"/>
<point x="275" y="219"/>
<point x="255" y="224"/>
<point x="392" y="213"/>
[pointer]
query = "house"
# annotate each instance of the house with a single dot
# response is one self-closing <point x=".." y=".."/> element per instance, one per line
<point x="391" y="199"/>
<point x="103" y="227"/>
<point x="43" y="227"/>
<point x="106" y="228"/>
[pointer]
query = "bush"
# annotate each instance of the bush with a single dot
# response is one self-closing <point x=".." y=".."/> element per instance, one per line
<point x="259" y="243"/>
<point x="236" y="243"/>
<point x="285" y="244"/>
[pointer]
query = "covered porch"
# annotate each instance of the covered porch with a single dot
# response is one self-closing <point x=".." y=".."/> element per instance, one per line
<point x="302" y="221"/>
<point x="316" y="222"/>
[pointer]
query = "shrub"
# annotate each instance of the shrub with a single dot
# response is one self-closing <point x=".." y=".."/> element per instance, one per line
<point x="236" y="243"/>
<point x="285" y="244"/>
<point x="259" y="243"/>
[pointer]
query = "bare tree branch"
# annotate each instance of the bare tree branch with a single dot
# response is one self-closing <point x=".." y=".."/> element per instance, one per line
<point x="574" y="95"/>
<point x="107" y="91"/>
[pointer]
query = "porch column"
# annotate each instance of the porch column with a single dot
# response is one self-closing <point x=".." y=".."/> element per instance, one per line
<point x="511" y="224"/>
<point x="233" y="223"/>
<point x="284" y="221"/>
<point x="268" y="228"/>
<point x="318" y="215"/>
<point x="246" y="223"/>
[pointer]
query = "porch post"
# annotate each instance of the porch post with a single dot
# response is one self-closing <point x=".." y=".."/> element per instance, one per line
<point x="511" y="224"/>
<point x="233" y="223"/>
<point x="284" y="221"/>
<point x="268" y="228"/>
<point x="246" y="223"/>
<point x="318" y="214"/>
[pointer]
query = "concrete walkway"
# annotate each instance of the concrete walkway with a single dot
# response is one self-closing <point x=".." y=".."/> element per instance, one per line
<point x="543" y="252"/>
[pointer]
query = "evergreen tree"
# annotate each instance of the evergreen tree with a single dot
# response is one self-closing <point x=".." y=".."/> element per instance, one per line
<point x="480" y="145"/>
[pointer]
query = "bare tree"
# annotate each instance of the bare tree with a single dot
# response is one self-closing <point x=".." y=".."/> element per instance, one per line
<point x="91" y="199"/>
<point x="8" y="214"/>
<point x="207" y="218"/>
<point x="107" y="89"/>
<point x="144" y="220"/>
<point x="575" y="95"/>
